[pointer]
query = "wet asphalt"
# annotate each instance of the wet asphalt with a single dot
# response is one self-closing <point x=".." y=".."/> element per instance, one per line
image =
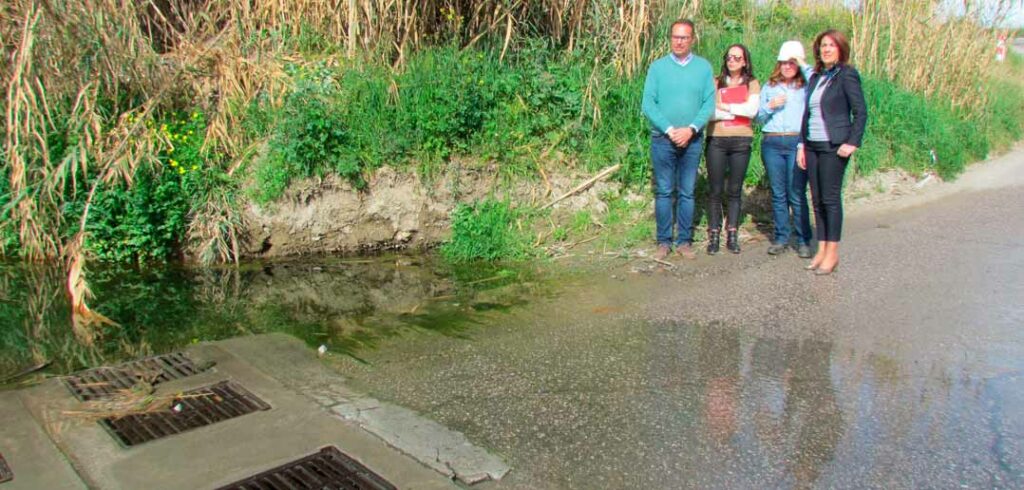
<point x="905" y="369"/>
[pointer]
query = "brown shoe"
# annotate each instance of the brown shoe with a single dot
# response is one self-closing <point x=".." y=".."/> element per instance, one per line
<point x="686" y="251"/>
<point x="662" y="252"/>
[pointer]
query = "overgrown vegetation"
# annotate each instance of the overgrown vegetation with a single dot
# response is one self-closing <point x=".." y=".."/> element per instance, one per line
<point x="136" y="131"/>
<point x="486" y="230"/>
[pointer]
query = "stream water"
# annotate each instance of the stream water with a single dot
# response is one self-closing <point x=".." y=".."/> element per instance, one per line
<point x="346" y="305"/>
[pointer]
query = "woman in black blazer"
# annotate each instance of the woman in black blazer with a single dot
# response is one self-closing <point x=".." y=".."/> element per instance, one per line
<point x="833" y="127"/>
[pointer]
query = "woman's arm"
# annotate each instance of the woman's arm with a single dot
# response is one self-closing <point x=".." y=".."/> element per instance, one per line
<point x="748" y="108"/>
<point x="764" y="113"/>
<point x="858" y="106"/>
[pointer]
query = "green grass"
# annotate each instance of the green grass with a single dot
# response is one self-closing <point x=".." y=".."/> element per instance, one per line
<point x="486" y="230"/>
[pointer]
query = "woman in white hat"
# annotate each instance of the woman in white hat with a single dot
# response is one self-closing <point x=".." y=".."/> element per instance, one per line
<point x="781" y="111"/>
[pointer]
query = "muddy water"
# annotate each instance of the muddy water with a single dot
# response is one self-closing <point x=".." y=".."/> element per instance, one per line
<point x="348" y="305"/>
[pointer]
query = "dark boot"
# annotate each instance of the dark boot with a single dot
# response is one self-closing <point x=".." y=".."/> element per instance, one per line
<point x="732" y="241"/>
<point x="714" y="237"/>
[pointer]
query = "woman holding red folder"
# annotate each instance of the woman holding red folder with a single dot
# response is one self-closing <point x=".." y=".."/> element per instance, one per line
<point x="730" y="135"/>
<point x="833" y="128"/>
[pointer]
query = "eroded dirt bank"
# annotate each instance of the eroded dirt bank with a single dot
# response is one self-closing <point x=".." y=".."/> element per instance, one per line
<point x="399" y="209"/>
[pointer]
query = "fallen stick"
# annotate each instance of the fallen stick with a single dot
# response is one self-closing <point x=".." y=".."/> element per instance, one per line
<point x="571" y="245"/>
<point x="670" y="265"/>
<point x="489" y="279"/>
<point x="580" y="188"/>
<point x="25" y="372"/>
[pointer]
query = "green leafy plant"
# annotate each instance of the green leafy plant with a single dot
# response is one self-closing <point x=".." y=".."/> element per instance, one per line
<point x="446" y="97"/>
<point x="486" y="230"/>
<point x="147" y="220"/>
<point x="333" y="121"/>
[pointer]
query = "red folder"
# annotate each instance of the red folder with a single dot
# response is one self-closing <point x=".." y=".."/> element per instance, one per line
<point x="734" y="95"/>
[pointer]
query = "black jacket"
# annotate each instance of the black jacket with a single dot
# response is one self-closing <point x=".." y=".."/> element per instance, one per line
<point x="842" y="106"/>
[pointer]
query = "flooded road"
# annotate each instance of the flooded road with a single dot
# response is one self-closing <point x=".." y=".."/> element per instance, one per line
<point x="904" y="370"/>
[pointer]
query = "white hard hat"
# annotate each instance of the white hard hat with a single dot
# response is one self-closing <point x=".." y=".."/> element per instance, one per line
<point x="791" y="50"/>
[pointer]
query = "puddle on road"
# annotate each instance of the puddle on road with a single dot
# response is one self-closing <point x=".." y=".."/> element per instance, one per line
<point x="586" y="398"/>
<point x="347" y="305"/>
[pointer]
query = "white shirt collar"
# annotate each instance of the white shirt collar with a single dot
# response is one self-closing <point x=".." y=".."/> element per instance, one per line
<point x="684" y="61"/>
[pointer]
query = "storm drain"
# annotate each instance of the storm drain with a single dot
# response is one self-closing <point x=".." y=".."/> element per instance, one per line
<point x="327" y="469"/>
<point x="190" y="410"/>
<point x="5" y="471"/>
<point x="102" y="382"/>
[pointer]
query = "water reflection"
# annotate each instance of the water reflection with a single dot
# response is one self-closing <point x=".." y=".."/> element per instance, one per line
<point x="347" y="305"/>
<point x="767" y="412"/>
<point x="738" y="409"/>
<point x="718" y="365"/>
<point x="811" y="413"/>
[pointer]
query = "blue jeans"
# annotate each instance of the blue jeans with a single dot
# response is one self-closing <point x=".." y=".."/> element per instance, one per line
<point x="789" y="188"/>
<point x="675" y="172"/>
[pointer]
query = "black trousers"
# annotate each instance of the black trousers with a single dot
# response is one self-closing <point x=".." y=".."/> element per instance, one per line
<point x="825" y="170"/>
<point x="732" y="153"/>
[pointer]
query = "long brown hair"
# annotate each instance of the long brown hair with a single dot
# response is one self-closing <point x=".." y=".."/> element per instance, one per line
<point x="746" y="73"/>
<point x="844" y="48"/>
<point x="776" y="77"/>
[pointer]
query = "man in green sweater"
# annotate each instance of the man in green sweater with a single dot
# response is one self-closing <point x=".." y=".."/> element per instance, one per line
<point x="678" y="100"/>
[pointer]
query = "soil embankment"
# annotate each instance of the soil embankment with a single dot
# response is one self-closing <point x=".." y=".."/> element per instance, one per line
<point x="398" y="210"/>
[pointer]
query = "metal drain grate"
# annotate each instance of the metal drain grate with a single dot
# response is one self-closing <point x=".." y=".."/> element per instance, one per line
<point x="193" y="409"/>
<point x="327" y="469"/>
<point x="102" y="382"/>
<point x="5" y="471"/>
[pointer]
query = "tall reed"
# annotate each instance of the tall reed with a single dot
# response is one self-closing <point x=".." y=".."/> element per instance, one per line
<point x="923" y="48"/>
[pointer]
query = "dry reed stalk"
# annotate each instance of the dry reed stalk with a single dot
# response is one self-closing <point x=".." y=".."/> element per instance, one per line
<point x="913" y="44"/>
<point x="24" y="142"/>
<point x="138" y="400"/>
<point x="214" y="231"/>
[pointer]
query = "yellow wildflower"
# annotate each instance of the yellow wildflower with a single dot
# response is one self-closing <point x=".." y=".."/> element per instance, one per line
<point x="195" y="167"/>
<point x="181" y="170"/>
<point x="174" y="163"/>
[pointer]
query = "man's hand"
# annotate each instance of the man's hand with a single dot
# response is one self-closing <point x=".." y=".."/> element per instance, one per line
<point x="845" y="150"/>
<point x="801" y="159"/>
<point x="681" y="136"/>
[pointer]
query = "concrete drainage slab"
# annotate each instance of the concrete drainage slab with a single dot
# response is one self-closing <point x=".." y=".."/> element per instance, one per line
<point x="219" y="454"/>
<point x="446" y="451"/>
<point x="33" y="460"/>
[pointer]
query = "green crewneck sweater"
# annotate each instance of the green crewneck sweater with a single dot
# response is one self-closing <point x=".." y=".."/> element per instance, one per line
<point x="679" y="96"/>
